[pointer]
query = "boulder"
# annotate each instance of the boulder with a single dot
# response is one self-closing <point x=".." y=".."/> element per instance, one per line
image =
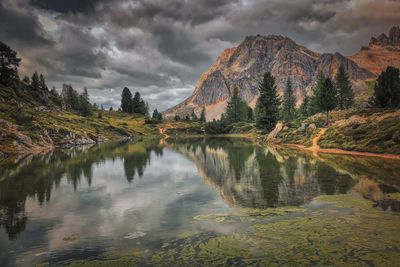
<point x="312" y="127"/>
<point x="302" y="127"/>
<point x="272" y="135"/>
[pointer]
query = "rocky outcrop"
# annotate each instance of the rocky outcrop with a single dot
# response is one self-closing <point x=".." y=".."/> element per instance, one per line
<point x="23" y="145"/>
<point x="245" y="65"/>
<point x="272" y="135"/>
<point x="381" y="52"/>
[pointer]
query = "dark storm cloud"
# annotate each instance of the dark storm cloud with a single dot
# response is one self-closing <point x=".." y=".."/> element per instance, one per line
<point x="161" y="47"/>
<point x="18" y="26"/>
<point x="64" y="6"/>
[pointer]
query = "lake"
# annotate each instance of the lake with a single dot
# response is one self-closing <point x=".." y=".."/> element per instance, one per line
<point x="213" y="201"/>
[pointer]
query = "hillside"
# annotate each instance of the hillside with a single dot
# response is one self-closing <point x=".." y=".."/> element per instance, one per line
<point x="370" y="130"/>
<point x="244" y="66"/>
<point x="28" y="125"/>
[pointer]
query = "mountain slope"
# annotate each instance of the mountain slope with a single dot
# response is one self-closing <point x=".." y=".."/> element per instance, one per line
<point x="381" y="52"/>
<point x="245" y="65"/>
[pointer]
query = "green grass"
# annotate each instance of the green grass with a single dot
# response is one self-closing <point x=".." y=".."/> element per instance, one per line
<point x="372" y="136"/>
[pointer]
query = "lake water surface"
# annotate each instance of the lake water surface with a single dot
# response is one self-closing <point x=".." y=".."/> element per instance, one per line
<point x="197" y="202"/>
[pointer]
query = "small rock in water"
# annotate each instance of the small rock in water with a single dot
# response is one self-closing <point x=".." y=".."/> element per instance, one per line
<point x="134" y="235"/>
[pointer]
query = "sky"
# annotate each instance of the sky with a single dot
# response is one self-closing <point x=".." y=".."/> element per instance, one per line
<point x="161" y="47"/>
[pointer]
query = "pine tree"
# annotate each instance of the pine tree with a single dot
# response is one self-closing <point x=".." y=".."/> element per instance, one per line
<point x="304" y="106"/>
<point x="136" y="103"/>
<point x="387" y="89"/>
<point x="177" y="118"/>
<point x="142" y="107"/>
<point x="72" y="99"/>
<point x="54" y="92"/>
<point x="26" y="80"/>
<point x="147" y="110"/>
<point x="289" y="103"/>
<point x="236" y="109"/>
<point x="344" y="88"/>
<point x="126" y="100"/>
<point x="84" y="106"/>
<point x="250" y="116"/>
<point x="155" y="114"/>
<point x="313" y="107"/>
<point x="327" y="97"/>
<point x="42" y="83"/>
<point x="85" y="94"/>
<point x="35" y="83"/>
<point x="267" y="107"/>
<point x="203" y="115"/>
<point x="9" y="64"/>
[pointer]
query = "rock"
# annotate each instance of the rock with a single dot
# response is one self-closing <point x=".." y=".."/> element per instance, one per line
<point x="302" y="127"/>
<point x="272" y="135"/>
<point x="134" y="235"/>
<point x="312" y="127"/>
<point x="380" y="51"/>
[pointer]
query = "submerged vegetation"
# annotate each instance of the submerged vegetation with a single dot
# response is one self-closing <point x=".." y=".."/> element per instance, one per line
<point x="280" y="236"/>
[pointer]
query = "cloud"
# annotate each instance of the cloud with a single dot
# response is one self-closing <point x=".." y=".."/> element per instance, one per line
<point x="161" y="47"/>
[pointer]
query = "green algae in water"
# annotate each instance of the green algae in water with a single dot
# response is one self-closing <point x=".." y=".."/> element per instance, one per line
<point x="346" y="201"/>
<point x="364" y="237"/>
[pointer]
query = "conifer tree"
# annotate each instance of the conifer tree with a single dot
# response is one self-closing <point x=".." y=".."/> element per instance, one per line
<point x="313" y="107"/>
<point x="344" y="88"/>
<point x="177" y="118"/>
<point x="147" y="110"/>
<point x="136" y="103"/>
<point x="126" y="100"/>
<point x="85" y="94"/>
<point x="289" y="103"/>
<point x="142" y="107"/>
<point x="155" y="114"/>
<point x="267" y="107"/>
<point x="236" y="109"/>
<point x="35" y="83"/>
<point x="250" y="116"/>
<point x="304" y="106"/>
<point x="42" y="83"/>
<point x="84" y="106"/>
<point x="387" y="89"/>
<point x="9" y="64"/>
<point x="326" y="97"/>
<point x="54" y="91"/>
<point x="203" y="115"/>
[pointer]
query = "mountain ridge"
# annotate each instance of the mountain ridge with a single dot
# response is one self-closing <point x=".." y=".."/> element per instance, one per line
<point x="245" y="65"/>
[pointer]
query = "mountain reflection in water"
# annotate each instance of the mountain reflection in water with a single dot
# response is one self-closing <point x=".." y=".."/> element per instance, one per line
<point x="244" y="174"/>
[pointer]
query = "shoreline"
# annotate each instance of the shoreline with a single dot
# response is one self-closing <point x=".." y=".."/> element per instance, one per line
<point x="338" y="151"/>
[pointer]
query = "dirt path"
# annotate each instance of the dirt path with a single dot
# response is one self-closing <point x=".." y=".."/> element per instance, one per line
<point x="315" y="148"/>
<point x="315" y="145"/>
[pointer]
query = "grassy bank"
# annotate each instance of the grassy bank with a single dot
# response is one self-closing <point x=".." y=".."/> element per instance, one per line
<point x="370" y="130"/>
<point x="28" y="126"/>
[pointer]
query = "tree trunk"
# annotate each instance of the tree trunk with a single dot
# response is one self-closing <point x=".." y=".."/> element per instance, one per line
<point x="327" y="118"/>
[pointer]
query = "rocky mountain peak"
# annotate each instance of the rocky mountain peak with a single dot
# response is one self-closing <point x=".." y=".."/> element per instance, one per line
<point x="383" y="40"/>
<point x="244" y="66"/>
<point x="381" y="52"/>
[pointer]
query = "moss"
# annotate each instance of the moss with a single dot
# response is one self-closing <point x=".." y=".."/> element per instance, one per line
<point x="350" y="232"/>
